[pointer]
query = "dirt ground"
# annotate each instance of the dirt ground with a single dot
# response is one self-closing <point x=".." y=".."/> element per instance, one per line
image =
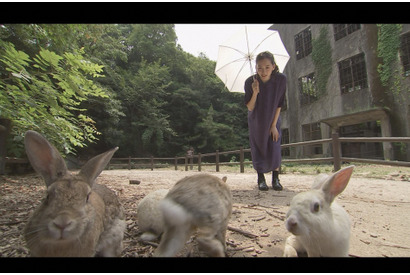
<point x="379" y="210"/>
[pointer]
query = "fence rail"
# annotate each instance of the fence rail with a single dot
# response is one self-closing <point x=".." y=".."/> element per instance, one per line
<point x="337" y="157"/>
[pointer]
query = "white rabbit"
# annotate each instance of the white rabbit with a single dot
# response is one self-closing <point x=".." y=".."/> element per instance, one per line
<point x="150" y="219"/>
<point x="200" y="201"/>
<point x="78" y="217"/>
<point x="319" y="226"/>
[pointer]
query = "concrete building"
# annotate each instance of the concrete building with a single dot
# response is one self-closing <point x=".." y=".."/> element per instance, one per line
<point x="340" y="90"/>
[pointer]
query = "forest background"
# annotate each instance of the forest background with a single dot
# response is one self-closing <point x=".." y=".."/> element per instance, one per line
<point x="90" y="87"/>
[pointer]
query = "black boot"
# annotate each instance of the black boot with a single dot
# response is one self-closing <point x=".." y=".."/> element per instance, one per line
<point x="262" y="182"/>
<point x="275" y="181"/>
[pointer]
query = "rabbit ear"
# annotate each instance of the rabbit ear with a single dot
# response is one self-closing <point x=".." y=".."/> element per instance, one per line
<point x="92" y="169"/>
<point x="337" y="183"/>
<point x="319" y="181"/>
<point x="44" y="157"/>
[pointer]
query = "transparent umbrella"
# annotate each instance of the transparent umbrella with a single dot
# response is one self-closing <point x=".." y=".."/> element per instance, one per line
<point x="236" y="56"/>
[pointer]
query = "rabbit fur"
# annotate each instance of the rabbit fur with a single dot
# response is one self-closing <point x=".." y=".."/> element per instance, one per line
<point x="320" y="227"/>
<point x="77" y="218"/>
<point x="150" y="219"/>
<point x="202" y="202"/>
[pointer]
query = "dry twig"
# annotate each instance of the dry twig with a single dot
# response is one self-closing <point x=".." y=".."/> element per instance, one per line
<point x="394" y="245"/>
<point x="148" y="243"/>
<point x="245" y="233"/>
<point x="259" y="219"/>
<point x="240" y="248"/>
<point x="282" y="218"/>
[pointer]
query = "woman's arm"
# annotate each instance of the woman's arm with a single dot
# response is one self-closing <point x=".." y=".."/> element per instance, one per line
<point x="273" y="130"/>
<point x="252" y="102"/>
<point x="255" y="89"/>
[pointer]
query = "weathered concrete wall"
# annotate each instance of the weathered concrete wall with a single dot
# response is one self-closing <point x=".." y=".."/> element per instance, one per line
<point x="333" y="102"/>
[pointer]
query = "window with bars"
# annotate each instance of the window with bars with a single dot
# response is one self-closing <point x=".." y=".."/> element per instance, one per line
<point x="312" y="132"/>
<point x="353" y="74"/>
<point x="405" y="53"/>
<point x="285" y="140"/>
<point x="307" y="89"/>
<point x="342" y="30"/>
<point x="303" y="43"/>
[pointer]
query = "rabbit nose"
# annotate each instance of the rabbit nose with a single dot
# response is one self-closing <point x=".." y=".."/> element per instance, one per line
<point x="62" y="222"/>
<point x="62" y="225"/>
<point x="291" y="223"/>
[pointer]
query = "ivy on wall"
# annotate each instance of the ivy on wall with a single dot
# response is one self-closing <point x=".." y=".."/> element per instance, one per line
<point x="322" y="59"/>
<point x="388" y="49"/>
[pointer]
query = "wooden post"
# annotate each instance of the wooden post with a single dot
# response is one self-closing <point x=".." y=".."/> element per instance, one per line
<point x="152" y="163"/>
<point x="186" y="163"/>
<point x="217" y="160"/>
<point x="176" y="163"/>
<point x="199" y="162"/>
<point x="386" y="132"/>
<point x="336" y="151"/>
<point x="129" y="162"/>
<point x="241" y="159"/>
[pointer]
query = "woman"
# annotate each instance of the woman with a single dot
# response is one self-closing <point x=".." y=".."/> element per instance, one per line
<point x="264" y="97"/>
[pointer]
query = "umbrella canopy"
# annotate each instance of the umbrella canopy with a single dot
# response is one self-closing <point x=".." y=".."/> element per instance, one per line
<point x="236" y="56"/>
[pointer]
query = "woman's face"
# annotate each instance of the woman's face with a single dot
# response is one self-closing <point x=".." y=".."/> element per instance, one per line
<point x="264" y="68"/>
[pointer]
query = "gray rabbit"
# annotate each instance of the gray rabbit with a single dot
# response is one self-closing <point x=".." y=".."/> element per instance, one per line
<point x="202" y="202"/>
<point x="150" y="219"/>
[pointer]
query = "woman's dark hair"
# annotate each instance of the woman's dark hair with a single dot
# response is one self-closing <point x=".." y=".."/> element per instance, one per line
<point x="268" y="55"/>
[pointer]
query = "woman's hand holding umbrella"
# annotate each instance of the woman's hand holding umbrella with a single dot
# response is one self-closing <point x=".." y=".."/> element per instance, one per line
<point x="255" y="86"/>
<point x="255" y="89"/>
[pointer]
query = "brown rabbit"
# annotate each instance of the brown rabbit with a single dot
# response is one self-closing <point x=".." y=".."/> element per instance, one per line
<point x="78" y="218"/>
<point x="200" y="201"/>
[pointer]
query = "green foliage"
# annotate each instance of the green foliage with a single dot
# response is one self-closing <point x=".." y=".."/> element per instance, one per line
<point x="154" y="98"/>
<point x="213" y="135"/>
<point x="322" y="59"/>
<point x="388" y="49"/>
<point x="44" y="93"/>
<point x="308" y="89"/>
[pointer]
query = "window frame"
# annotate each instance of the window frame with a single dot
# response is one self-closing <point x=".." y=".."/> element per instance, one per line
<point x="285" y="139"/>
<point x="343" y="30"/>
<point x="303" y="43"/>
<point x="312" y="131"/>
<point x="307" y="98"/>
<point x="353" y="74"/>
<point x="405" y="53"/>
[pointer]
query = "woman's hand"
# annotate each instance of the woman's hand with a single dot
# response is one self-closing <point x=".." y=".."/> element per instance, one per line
<point x="275" y="133"/>
<point x="255" y="89"/>
<point x="273" y="128"/>
<point x="255" y="86"/>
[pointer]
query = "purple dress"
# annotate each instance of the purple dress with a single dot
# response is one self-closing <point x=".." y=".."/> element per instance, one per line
<point x="266" y="154"/>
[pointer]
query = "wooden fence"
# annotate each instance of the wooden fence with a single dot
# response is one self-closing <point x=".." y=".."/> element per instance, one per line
<point x="337" y="159"/>
<point x="197" y="160"/>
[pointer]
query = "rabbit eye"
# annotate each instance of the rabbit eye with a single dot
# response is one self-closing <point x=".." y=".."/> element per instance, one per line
<point x="316" y="207"/>
<point x="88" y="196"/>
